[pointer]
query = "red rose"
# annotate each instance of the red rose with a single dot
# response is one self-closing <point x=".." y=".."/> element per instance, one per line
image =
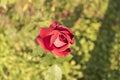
<point x="56" y="39"/>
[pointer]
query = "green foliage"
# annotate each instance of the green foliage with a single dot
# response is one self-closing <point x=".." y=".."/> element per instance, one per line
<point x="95" y="54"/>
<point x="5" y="2"/>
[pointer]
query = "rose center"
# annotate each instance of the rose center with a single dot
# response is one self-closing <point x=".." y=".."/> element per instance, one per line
<point x="63" y="39"/>
<point x="58" y="42"/>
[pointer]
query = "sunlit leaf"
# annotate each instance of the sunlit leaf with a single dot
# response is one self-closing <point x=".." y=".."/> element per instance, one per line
<point x="54" y="73"/>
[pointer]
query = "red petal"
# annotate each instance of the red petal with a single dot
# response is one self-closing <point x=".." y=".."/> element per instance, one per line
<point x="58" y="43"/>
<point x="67" y="31"/>
<point x="45" y="31"/>
<point x="71" y="40"/>
<point x="46" y="41"/>
<point x="60" y="49"/>
<point x="54" y="34"/>
<point x="54" y="24"/>
<point x="41" y="42"/>
<point x="63" y="28"/>
<point x="63" y="53"/>
<point x="69" y="36"/>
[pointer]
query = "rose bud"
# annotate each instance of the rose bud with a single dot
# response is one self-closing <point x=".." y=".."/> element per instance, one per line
<point x="56" y="39"/>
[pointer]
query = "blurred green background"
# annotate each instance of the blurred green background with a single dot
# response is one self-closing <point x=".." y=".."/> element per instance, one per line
<point x="96" y="26"/>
